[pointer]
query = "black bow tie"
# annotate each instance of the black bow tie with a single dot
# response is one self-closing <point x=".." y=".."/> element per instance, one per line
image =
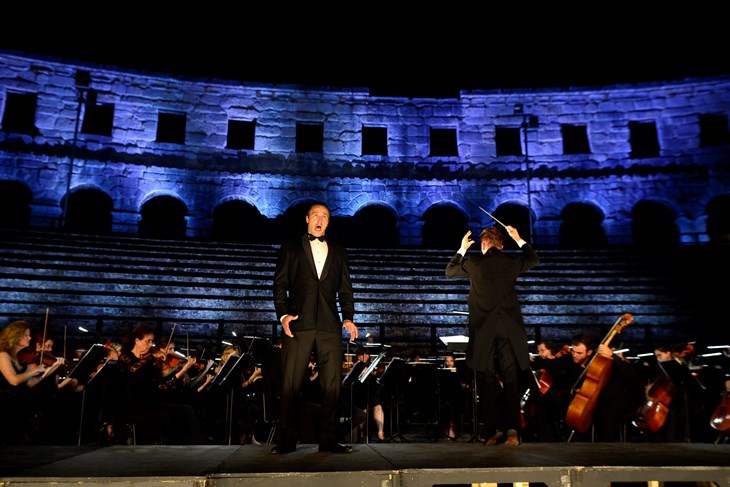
<point x="312" y="237"/>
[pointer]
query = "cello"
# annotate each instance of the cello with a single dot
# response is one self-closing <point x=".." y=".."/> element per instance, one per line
<point x="720" y="419"/>
<point x="594" y="378"/>
<point x="655" y="410"/>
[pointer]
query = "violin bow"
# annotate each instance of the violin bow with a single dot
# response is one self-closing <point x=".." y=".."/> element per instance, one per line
<point x="45" y="330"/>
<point x="169" y="340"/>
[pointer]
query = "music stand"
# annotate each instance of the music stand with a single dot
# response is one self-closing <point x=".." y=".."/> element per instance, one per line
<point x="208" y="365"/>
<point x="82" y="373"/>
<point x="392" y="375"/>
<point x="455" y="343"/>
<point x="677" y="372"/>
<point x="354" y="373"/>
<point x="88" y="364"/>
<point x="373" y="364"/>
<point x="458" y="343"/>
<point x="348" y="381"/>
<point x="231" y="369"/>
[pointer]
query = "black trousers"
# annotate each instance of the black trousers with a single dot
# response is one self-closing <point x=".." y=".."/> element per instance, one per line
<point x="498" y="388"/>
<point x="295" y="352"/>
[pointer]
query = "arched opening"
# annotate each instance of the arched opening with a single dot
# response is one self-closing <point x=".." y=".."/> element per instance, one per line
<point x="718" y="219"/>
<point x="443" y="227"/>
<point x="517" y="216"/>
<point x="374" y="226"/>
<point x="239" y="221"/>
<point x="15" y="201"/>
<point x="582" y="227"/>
<point x="653" y="226"/>
<point x="293" y="222"/>
<point x="89" y="210"/>
<point x="163" y="217"/>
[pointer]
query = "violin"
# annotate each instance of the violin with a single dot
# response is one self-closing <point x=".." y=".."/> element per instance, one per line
<point x="29" y="357"/>
<point x="594" y="377"/>
<point x="175" y="361"/>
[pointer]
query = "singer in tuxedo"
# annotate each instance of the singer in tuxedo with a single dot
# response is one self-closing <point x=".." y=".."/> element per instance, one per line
<point x="312" y="277"/>
<point x="497" y="348"/>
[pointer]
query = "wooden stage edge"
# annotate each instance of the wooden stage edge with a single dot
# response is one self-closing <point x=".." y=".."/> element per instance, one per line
<point x="378" y="465"/>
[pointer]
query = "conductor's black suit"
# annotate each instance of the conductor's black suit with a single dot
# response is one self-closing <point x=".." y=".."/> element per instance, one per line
<point x="497" y="340"/>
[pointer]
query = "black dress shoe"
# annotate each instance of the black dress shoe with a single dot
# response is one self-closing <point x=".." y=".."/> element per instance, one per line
<point x="283" y="448"/>
<point x="335" y="448"/>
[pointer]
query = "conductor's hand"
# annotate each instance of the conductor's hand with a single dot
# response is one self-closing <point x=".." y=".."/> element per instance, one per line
<point x="466" y="241"/>
<point x="285" y="323"/>
<point x="351" y="329"/>
<point x="513" y="233"/>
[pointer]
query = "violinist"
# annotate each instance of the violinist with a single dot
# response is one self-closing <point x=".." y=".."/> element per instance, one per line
<point x="143" y="385"/>
<point x="38" y="348"/>
<point x="172" y="363"/>
<point x="548" y="349"/>
<point x="16" y="379"/>
<point x="57" y="397"/>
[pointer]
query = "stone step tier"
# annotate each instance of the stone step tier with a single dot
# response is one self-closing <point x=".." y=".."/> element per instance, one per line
<point x="209" y="291"/>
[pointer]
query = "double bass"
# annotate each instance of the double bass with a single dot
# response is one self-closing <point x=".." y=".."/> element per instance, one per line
<point x="594" y="378"/>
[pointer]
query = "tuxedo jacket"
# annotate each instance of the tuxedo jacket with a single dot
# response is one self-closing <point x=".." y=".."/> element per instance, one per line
<point x="492" y="299"/>
<point x="298" y="290"/>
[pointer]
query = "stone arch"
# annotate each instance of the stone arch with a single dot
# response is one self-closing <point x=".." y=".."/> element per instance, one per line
<point x="444" y="225"/>
<point x="163" y="216"/>
<point x="374" y="225"/>
<point x="15" y="199"/>
<point x="294" y="221"/>
<point x="89" y="210"/>
<point x="239" y="221"/>
<point x="653" y="224"/>
<point x="582" y="226"/>
<point x="718" y="219"/>
<point x="516" y="215"/>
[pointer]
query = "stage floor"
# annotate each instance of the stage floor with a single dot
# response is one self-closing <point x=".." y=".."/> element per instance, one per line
<point x="381" y="465"/>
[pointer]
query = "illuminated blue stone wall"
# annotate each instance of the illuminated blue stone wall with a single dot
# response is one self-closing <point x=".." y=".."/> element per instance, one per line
<point x="132" y="167"/>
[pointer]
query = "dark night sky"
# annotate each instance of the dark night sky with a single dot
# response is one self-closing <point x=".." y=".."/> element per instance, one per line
<point x="433" y="53"/>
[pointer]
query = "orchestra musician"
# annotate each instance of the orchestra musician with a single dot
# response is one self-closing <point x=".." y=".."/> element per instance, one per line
<point x="548" y="349"/>
<point x="663" y="412"/>
<point x="56" y="398"/>
<point x="453" y="398"/>
<point x="676" y="401"/>
<point x="142" y="385"/>
<point x="618" y="399"/>
<point x="214" y="400"/>
<point x="367" y="395"/>
<point x="16" y="380"/>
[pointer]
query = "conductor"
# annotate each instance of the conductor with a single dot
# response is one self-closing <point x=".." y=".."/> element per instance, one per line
<point x="497" y="346"/>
